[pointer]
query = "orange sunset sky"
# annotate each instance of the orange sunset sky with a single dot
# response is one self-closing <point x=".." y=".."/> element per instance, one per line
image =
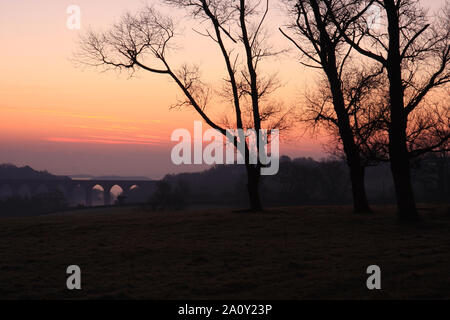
<point x="66" y="119"/>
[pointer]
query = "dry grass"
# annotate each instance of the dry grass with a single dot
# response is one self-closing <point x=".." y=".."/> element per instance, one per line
<point x="286" y="253"/>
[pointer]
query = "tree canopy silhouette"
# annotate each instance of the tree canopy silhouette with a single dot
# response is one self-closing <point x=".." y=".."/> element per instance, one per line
<point x="338" y="102"/>
<point x="141" y="41"/>
<point x="414" y="52"/>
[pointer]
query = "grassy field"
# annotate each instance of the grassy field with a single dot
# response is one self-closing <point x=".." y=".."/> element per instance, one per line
<point x="284" y="253"/>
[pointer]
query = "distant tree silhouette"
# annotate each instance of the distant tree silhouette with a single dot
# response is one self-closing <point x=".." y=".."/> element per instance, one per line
<point x="169" y="196"/>
<point x="142" y="41"/>
<point x="416" y="57"/>
<point x="338" y="102"/>
<point x="43" y="203"/>
<point x="431" y="172"/>
<point x="322" y="182"/>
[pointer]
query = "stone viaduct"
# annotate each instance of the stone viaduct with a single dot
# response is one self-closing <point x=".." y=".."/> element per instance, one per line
<point x="29" y="187"/>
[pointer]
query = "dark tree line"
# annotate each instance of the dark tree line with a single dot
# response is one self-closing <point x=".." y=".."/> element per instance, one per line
<point x="324" y="182"/>
<point x="31" y="206"/>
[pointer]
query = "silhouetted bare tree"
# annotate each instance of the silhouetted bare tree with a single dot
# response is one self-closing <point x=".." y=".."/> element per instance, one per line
<point x="416" y="57"/>
<point x="337" y="103"/>
<point x="366" y="107"/>
<point x="142" y="40"/>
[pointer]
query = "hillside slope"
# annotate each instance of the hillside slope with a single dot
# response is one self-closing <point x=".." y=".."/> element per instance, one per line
<point x="10" y="171"/>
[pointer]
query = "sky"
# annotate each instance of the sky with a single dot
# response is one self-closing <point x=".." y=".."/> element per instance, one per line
<point x="67" y="119"/>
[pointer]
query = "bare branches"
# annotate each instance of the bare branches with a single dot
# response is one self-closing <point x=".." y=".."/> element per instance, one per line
<point x="351" y="24"/>
<point x="222" y="12"/>
<point x="339" y="103"/>
<point x="141" y="41"/>
<point x="418" y="42"/>
<point x="190" y="78"/>
<point x="129" y="42"/>
<point x="307" y="54"/>
<point x="429" y="129"/>
<point x="366" y="105"/>
<point x="133" y="42"/>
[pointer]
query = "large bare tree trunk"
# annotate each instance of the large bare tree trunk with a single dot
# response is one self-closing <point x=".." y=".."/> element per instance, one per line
<point x="360" y="202"/>
<point x="398" y="150"/>
<point x="357" y="173"/>
<point x="399" y="159"/>
<point x="407" y="211"/>
<point x="325" y="45"/>
<point x="253" y="177"/>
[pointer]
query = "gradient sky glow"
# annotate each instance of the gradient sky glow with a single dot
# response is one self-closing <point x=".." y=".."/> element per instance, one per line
<point x="71" y="120"/>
